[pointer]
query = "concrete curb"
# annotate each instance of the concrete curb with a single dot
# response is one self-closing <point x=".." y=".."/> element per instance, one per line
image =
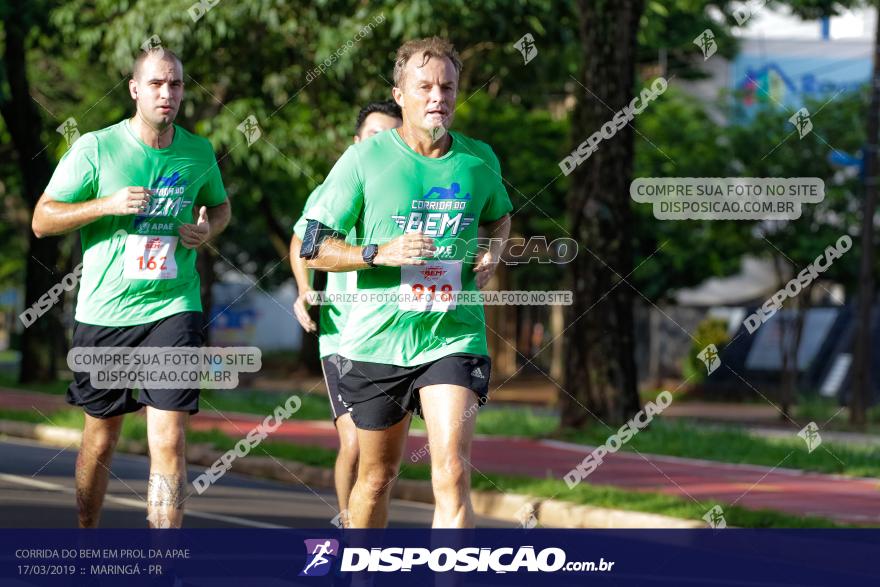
<point x="511" y="507"/>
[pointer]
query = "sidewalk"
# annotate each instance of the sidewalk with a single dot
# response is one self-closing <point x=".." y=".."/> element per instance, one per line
<point x="845" y="499"/>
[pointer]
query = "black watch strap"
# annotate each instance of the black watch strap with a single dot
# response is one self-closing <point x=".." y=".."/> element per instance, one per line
<point x="368" y="253"/>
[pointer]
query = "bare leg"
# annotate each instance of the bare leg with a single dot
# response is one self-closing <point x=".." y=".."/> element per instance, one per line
<point x="450" y="413"/>
<point x="93" y="466"/>
<point x="345" y="471"/>
<point x="378" y="463"/>
<point x="166" y="434"/>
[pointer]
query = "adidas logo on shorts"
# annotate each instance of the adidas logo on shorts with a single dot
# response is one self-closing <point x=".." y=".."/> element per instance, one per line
<point x="477" y="373"/>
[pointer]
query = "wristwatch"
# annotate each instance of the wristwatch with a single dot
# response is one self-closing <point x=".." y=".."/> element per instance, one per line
<point x="368" y="253"/>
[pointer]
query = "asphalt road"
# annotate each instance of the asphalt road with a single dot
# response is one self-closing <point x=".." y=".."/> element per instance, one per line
<point x="37" y="491"/>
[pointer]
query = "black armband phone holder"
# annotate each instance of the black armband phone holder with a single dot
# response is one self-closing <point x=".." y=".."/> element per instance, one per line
<point x="314" y="235"/>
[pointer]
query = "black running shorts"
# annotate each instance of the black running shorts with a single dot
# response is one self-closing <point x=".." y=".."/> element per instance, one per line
<point x="178" y="330"/>
<point x="379" y="396"/>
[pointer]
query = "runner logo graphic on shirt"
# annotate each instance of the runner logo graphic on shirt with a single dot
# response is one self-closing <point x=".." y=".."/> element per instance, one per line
<point x="438" y="213"/>
<point x="167" y="201"/>
<point x="450" y="193"/>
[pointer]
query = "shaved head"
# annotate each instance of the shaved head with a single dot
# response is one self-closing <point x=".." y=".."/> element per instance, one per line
<point x="155" y="53"/>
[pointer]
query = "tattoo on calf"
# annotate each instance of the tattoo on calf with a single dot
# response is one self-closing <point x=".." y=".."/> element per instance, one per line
<point x="157" y="519"/>
<point x="165" y="491"/>
<point x="164" y="500"/>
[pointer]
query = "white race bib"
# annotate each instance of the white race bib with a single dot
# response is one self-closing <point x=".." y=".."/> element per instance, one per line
<point x="150" y="257"/>
<point x="431" y="287"/>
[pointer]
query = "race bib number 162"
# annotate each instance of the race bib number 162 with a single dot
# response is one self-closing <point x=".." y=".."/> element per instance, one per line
<point x="150" y="257"/>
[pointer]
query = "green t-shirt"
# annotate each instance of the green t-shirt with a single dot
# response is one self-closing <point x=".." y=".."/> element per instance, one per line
<point x="383" y="189"/>
<point x="333" y="315"/>
<point x="134" y="269"/>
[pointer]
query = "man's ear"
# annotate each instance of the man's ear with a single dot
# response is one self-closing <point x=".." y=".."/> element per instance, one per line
<point x="132" y="89"/>
<point x="397" y="94"/>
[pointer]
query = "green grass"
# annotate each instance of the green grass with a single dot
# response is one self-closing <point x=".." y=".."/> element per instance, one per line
<point x="681" y="438"/>
<point x="23" y="416"/>
<point x="67" y="418"/>
<point x="595" y="495"/>
<point x="664" y="437"/>
<point x="734" y="445"/>
<point x="503" y="421"/>
<point x="827" y="414"/>
<point x="654" y="503"/>
<point x="584" y="493"/>
<point x="815" y="409"/>
<point x="132" y="428"/>
<point x="9" y="356"/>
<point x="249" y="401"/>
<point x="55" y="387"/>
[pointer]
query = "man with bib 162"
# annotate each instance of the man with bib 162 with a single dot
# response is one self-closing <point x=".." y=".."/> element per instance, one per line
<point x="144" y="195"/>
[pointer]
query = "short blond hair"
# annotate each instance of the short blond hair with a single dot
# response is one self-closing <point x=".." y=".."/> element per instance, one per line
<point x="428" y="48"/>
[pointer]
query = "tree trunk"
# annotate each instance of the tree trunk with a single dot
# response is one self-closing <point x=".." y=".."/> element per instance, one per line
<point x="784" y="347"/>
<point x="792" y="378"/>
<point x="790" y="370"/>
<point x="600" y="373"/>
<point x="19" y="112"/>
<point x="861" y="391"/>
<point x="557" y="348"/>
<point x="501" y="329"/>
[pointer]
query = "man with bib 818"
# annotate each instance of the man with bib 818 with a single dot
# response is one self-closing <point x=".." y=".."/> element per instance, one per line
<point x="373" y="118"/>
<point x="144" y="194"/>
<point x="416" y="197"/>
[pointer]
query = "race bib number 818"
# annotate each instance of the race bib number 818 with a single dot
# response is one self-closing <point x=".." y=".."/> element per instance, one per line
<point x="431" y="287"/>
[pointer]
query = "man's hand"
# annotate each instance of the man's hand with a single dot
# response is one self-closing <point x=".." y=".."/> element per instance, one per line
<point x="301" y="311"/>
<point x="485" y="264"/>
<point x="192" y="236"/>
<point x="486" y="261"/>
<point x="406" y="250"/>
<point x="130" y="200"/>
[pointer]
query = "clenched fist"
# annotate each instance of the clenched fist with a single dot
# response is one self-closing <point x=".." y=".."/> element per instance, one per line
<point x="192" y="236"/>
<point x="129" y="200"/>
<point x="406" y="250"/>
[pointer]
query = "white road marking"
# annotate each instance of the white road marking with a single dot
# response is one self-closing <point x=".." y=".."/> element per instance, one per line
<point x="137" y="504"/>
